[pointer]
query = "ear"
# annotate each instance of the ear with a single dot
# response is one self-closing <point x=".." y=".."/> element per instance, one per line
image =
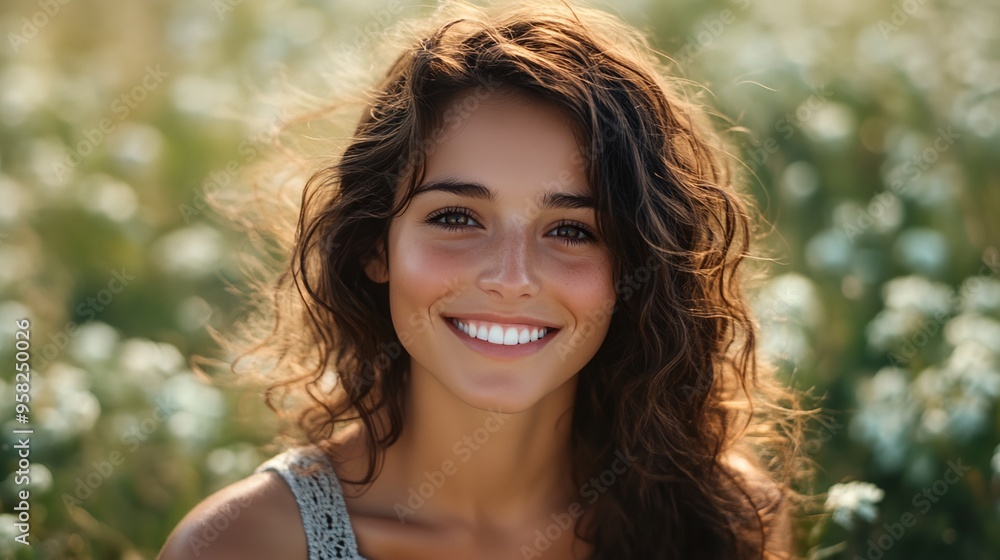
<point x="376" y="267"/>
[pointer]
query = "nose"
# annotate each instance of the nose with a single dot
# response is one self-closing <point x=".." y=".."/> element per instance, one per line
<point x="510" y="272"/>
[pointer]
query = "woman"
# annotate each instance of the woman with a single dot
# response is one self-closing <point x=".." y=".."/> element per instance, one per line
<point x="513" y="324"/>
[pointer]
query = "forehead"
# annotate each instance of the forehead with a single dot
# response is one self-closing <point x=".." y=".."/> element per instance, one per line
<point x="509" y="141"/>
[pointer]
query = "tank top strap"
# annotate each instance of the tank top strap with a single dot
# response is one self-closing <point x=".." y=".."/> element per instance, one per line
<point x="313" y="481"/>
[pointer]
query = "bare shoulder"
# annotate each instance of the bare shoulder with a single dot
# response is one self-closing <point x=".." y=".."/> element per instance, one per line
<point x="256" y="517"/>
<point x="770" y="500"/>
<point x="765" y="492"/>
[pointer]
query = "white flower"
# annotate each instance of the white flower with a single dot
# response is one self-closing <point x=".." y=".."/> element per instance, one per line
<point x="887" y="415"/>
<point x="789" y="298"/>
<point x="923" y="249"/>
<point x="103" y="194"/>
<point x="973" y="327"/>
<point x="787" y="308"/>
<point x="918" y="293"/>
<point x="893" y="326"/>
<point x="198" y="407"/>
<point x="934" y="421"/>
<point x="190" y="252"/>
<point x="982" y="296"/>
<point x="7" y="533"/>
<point x="829" y="250"/>
<point x="969" y="415"/>
<point x="141" y="356"/>
<point x="236" y="460"/>
<point x="70" y="407"/>
<point x="974" y="368"/>
<point x="784" y="341"/>
<point x="136" y="144"/>
<point x="890" y="383"/>
<point x="17" y="201"/>
<point x="94" y="342"/>
<point x="850" y="499"/>
<point x="932" y="386"/>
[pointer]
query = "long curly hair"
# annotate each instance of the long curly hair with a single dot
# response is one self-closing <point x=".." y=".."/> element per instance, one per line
<point x="677" y="383"/>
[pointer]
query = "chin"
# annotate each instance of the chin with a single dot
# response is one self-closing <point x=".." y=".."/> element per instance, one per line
<point x="501" y="393"/>
<point x="509" y="400"/>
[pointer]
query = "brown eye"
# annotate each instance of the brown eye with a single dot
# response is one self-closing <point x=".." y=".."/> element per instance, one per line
<point x="571" y="230"/>
<point x="453" y="218"/>
<point x="574" y="234"/>
<point x="456" y="219"/>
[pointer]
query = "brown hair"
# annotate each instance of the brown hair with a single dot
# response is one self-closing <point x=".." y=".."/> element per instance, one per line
<point x="677" y="382"/>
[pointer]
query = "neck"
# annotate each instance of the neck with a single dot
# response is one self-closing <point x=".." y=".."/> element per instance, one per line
<point x="475" y="467"/>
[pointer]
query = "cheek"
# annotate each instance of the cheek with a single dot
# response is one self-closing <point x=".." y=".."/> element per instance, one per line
<point x="423" y="280"/>
<point x="429" y="265"/>
<point x="586" y="289"/>
<point x="585" y="284"/>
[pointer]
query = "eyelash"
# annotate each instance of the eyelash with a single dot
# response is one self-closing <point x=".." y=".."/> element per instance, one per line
<point x="432" y="220"/>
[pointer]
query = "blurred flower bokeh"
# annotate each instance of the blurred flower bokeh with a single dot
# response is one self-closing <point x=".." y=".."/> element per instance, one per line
<point x="868" y="133"/>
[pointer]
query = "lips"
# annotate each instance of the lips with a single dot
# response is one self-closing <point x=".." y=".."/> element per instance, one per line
<point x="502" y="320"/>
<point x="506" y="335"/>
<point x="498" y="349"/>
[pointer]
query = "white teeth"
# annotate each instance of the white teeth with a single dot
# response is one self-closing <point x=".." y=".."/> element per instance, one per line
<point x="498" y="335"/>
<point x="510" y="336"/>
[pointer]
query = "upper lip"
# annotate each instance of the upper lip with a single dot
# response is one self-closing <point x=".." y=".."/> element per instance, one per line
<point x="511" y="319"/>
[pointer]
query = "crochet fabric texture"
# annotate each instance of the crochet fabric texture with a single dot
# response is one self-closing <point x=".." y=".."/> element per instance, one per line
<point x="309" y="474"/>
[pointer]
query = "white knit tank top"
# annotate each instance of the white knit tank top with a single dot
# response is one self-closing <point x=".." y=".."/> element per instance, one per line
<point x="329" y="533"/>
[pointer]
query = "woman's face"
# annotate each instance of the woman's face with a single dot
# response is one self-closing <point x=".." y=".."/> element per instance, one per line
<point x="500" y="236"/>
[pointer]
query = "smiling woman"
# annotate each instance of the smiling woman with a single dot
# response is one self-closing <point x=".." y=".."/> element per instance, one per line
<point x="512" y="324"/>
<point x="466" y="229"/>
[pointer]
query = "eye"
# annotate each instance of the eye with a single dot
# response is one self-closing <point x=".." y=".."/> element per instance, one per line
<point x="455" y="218"/>
<point x="577" y="233"/>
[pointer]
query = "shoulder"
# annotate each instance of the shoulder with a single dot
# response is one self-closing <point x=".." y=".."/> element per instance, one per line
<point x="769" y="499"/>
<point x="754" y="479"/>
<point x="256" y="517"/>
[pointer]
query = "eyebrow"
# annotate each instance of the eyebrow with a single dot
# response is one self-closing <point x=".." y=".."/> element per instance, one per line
<point x="471" y="189"/>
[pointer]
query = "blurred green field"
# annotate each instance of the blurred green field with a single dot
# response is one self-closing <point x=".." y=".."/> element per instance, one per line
<point x="870" y="132"/>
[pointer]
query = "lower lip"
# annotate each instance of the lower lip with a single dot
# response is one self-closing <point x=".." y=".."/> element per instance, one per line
<point x="497" y="350"/>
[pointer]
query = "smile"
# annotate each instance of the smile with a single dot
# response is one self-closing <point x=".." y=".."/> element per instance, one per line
<point x="501" y="341"/>
<point x="498" y="334"/>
